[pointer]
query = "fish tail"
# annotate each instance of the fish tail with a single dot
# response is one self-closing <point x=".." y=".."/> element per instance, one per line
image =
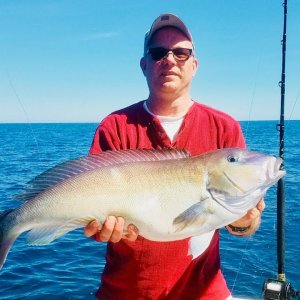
<point x="7" y="236"/>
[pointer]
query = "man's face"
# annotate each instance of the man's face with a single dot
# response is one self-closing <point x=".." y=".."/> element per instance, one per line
<point x="168" y="75"/>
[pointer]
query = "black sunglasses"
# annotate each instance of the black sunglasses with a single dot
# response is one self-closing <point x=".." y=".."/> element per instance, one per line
<point x="180" y="54"/>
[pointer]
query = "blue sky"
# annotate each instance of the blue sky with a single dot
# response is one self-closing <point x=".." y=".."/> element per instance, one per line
<point x="76" y="61"/>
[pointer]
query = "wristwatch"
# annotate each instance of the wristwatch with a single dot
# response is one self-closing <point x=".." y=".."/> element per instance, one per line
<point x="238" y="229"/>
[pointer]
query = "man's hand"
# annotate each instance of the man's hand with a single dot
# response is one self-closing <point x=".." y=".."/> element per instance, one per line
<point x="251" y="220"/>
<point x="111" y="231"/>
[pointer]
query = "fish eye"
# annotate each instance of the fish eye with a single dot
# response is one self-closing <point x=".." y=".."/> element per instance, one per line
<point x="232" y="159"/>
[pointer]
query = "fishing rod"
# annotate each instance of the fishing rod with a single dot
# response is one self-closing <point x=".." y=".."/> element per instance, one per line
<point x="279" y="288"/>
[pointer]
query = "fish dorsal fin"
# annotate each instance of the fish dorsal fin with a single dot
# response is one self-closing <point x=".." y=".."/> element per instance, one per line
<point x="80" y="165"/>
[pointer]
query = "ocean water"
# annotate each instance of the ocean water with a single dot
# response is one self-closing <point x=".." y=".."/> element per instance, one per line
<point x="70" y="267"/>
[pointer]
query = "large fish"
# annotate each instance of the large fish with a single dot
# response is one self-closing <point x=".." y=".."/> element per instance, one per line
<point x="168" y="195"/>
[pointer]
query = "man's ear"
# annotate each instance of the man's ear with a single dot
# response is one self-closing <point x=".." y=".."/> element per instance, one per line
<point x="143" y="65"/>
<point x="195" y="65"/>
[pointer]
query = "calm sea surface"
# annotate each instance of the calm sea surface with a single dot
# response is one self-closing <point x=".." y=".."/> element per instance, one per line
<point x="70" y="267"/>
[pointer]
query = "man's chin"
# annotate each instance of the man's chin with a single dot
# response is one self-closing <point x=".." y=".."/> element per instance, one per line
<point x="169" y="86"/>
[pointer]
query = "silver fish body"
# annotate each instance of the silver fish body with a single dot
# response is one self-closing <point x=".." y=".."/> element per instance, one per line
<point x="168" y="195"/>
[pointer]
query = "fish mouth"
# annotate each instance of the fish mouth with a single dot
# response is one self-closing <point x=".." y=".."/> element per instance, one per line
<point x="274" y="172"/>
<point x="278" y="170"/>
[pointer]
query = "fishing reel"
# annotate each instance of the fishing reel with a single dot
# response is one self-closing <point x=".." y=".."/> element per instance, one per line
<point x="278" y="290"/>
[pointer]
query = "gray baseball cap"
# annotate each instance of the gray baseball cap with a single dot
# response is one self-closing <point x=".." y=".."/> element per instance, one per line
<point x="165" y="20"/>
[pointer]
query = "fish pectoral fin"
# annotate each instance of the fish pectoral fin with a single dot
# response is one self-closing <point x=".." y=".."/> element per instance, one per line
<point x="188" y="217"/>
<point x="47" y="233"/>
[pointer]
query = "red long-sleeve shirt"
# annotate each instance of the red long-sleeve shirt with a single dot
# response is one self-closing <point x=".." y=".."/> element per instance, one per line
<point x="154" y="270"/>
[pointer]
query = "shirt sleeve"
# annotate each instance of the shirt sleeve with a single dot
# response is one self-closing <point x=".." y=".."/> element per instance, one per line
<point x="234" y="137"/>
<point x="105" y="138"/>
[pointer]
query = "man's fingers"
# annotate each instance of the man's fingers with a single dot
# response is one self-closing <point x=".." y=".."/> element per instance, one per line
<point x="252" y="214"/>
<point x="111" y="231"/>
<point x="92" y="228"/>
<point x="261" y="205"/>
<point x="247" y="219"/>
<point x="107" y="229"/>
<point x="132" y="233"/>
<point x="117" y="233"/>
<point x="251" y="220"/>
<point x="256" y="212"/>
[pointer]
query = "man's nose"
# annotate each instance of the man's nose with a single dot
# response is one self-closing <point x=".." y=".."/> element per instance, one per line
<point x="169" y="58"/>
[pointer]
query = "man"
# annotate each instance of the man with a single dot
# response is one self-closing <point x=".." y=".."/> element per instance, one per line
<point x="187" y="269"/>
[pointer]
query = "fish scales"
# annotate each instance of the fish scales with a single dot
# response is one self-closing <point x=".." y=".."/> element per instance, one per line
<point x="166" y="194"/>
<point x="121" y="190"/>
